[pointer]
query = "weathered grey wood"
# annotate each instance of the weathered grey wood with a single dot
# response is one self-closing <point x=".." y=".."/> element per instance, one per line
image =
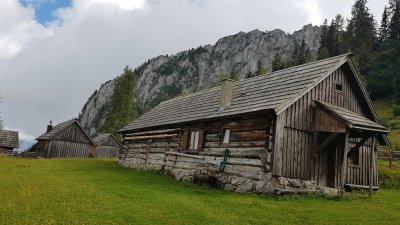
<point x="371" y="166"/>
<point x="185" y="155"/>
<point x="278" y="144"/>
<point x="235" y="152"/>
<point x="354" y="186"/>
<point x="160" y="136"/>
<point x="146" y="133"/>
<point x="359" y="144"/>
<point x="344" y="162"/>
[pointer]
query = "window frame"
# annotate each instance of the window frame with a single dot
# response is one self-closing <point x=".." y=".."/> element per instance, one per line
<point x="198" y="142"/>
<point x="354" y="157"/>
<point x="335" y="87"/>
<point x="223" y="136"/>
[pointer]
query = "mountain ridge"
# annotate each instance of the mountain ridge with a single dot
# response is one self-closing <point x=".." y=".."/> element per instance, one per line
<point x="167" y="76"/>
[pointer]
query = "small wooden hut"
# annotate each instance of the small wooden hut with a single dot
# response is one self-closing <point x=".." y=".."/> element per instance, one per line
<point x="107" y="146"/>
<point x="9" y="141"/>
<point x="310" y="127"/>
<point x="65" y="140"/>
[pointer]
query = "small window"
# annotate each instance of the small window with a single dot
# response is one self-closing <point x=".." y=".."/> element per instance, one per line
<point x="355" y="157"/>
<point x="339" y="87"/>
<point x="194" y="140"/>
<point x="226" y="134"/>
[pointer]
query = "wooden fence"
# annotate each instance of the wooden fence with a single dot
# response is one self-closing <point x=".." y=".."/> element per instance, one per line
<point x="388" y="154"/>
<point x="21" y="154"/>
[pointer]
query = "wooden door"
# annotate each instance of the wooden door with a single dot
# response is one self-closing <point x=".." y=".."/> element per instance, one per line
<point x="330" y="165"/>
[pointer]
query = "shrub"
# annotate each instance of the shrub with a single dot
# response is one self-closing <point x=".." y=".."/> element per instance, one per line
<point x="396" y="110"/>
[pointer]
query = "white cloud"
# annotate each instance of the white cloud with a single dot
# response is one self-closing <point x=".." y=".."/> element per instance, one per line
<point x="48" y="72"/>
<point x="18" y="28"/>
<point x="312" y="9"/>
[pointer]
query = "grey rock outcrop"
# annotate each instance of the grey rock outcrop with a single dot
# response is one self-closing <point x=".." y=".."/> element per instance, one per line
<point x="167" y="76"/>
<point x="93" y="112"/>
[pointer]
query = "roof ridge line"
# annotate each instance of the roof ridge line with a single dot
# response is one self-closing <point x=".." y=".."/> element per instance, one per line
<point x="288" y="102"/>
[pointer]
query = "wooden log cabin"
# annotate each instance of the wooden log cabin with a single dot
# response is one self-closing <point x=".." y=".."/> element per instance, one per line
<point x="65" y="140"/>
<point x="107" y="146"/>
<point x="310" y="127"/>
<point x="9" y="140"/>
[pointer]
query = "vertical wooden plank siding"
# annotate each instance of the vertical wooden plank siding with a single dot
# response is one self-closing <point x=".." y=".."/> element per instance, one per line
<point x="294" y="138"/>
<point x="72" y="142"/>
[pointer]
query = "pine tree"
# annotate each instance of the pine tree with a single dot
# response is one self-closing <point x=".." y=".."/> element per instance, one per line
<point x="234" y="73"/>
<point x="261" y="70"/>
<point x="278" y="63"/>
<point x="323" y="51"/>
<point x="394" y="25"/>
<point x="301" y="54"/>
<point x="361" y="34"/>
<point x="124" y="106"/>
<point x="384" y="28"/>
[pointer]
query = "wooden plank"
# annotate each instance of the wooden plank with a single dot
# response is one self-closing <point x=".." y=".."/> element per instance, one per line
<point x="161" y="136"/>
<point x="344" y="162"/>
<point x="371" y="166"/>
<point x="147" y="133"/>
<point x="185" y="155"/>
<point x="278" y="144"/>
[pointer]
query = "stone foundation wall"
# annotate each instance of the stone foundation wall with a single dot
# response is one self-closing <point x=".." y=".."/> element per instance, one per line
<point x="186" y="168"/>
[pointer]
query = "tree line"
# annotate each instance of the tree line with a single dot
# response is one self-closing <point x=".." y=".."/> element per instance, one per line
<point x="376" y="47"/>
<point x="376" y="51"/>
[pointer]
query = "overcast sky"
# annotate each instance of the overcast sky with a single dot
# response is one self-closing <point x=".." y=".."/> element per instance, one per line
<point x="55" y="53"/>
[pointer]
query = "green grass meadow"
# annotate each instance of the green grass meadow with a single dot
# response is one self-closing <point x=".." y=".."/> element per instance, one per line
<point x="99" y="191"/>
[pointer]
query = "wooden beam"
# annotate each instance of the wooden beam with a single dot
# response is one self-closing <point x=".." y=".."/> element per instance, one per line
<point x="359" y="144"/>
<point x="326" y="142"/>
<point x="185" y="155"/>
<point x="354" y="186"/>
<point x="149" y="137"/>
<point x="371" y="166"/>
<point x="153" y="132"/>
<point x="344" y="162"/>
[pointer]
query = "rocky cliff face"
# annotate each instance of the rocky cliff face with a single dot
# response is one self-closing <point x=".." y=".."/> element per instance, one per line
<point x="93" y="113"/>
<point x="165" y="77"/>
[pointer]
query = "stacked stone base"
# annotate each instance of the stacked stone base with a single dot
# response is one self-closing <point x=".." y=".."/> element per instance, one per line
<point x="228" y="181"/>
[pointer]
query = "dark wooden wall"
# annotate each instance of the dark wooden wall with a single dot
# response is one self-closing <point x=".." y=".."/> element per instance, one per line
<point x="109" y="148"/>
<point x="72" y="142"/>
<point x="294" y="140"/>
<point x="250" y="147"/>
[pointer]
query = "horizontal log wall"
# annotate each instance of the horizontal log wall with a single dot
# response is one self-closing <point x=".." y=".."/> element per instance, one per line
<point x="294" y="139"/>
<point x="249" y="147"/>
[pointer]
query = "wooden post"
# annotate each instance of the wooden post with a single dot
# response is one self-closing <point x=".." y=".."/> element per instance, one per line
<point x="344" y="163"/>
<point x="371" y="165"/>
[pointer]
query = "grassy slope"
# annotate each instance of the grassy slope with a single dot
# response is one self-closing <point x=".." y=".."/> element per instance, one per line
<point x="94" y="191"/>
<point x="384" y="109"/>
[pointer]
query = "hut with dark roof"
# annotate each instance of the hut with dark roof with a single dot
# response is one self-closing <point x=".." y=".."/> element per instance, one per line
<point x="9" y="141"/>
<point x="310" y="127"/>
<point x="65" y="140"/>
<point x="107" y="146"/>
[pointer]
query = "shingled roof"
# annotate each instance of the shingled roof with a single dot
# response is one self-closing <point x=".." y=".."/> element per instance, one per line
<point x="352" y="119"/>
<point x="275" y="91"/>
<point x="9" y="139"/>
<point x="56" y="129"/>
<point x="102" y="137"/>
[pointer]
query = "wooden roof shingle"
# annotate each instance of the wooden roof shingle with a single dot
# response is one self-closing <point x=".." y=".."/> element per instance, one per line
<point x="274" y="91"/>
<point x="101" y="138"/>
<point x="9" y="139"/>
<point x="352" y="119"/>
<point x="56" y="129"/>
<point x="59" y="128"/>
